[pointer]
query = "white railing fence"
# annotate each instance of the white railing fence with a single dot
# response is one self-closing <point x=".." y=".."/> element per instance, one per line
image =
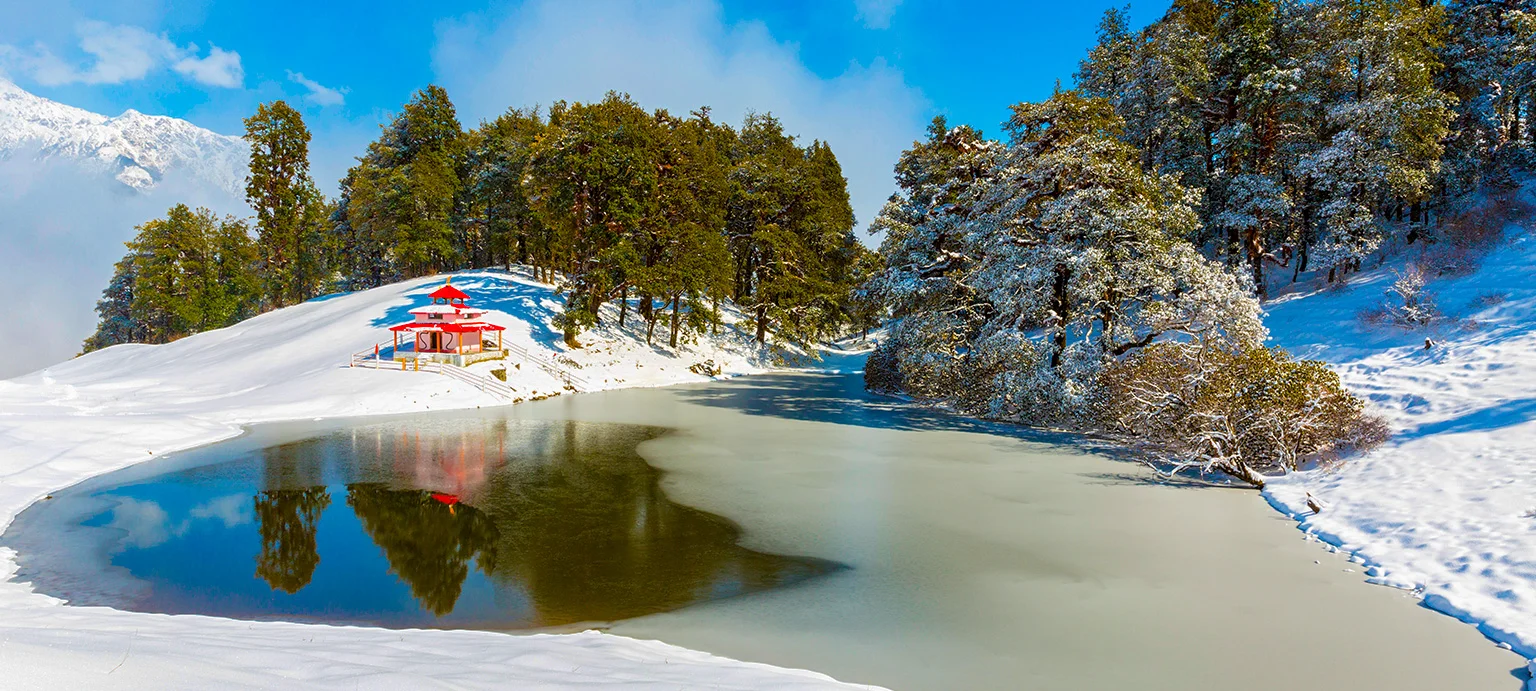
<point x="572" y="381"/>
<point x="381" y="357"/>
<point x="373" y="358"/>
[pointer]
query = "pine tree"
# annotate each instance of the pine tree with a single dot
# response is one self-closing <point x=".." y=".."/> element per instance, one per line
<point x="1061" y="257"/>
<point x="1112" y="71"/>
<point x="185" y="273"/>
<point x="788" y="225"/>
<point x="1488" y="56"/>
<point x="398" y="214"/>
<point x="426" y="147"/>
<point x="116" y="324"/>
<point x="363" y="225"/>
<point x="235" y="292"/>
<point x="1385" y="119"/>
<point x="927" y="252"/>
<point x="594" y="181"/>
<point x="499" y="162"/>
<point x="681" y="255"/>
<point x="281" y="193"/>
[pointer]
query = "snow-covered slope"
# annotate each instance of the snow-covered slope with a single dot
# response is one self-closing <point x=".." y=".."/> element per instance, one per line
<point x="1448" y="507"/>
<point x="136" y="149"/>
<point x="121" y="405"/>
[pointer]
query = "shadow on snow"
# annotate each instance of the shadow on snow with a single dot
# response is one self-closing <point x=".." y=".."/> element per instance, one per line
<point x="528" y="303"/>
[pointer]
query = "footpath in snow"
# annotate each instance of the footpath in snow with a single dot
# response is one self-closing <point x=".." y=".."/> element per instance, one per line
<point x="1447" y="508"/>
<point x="129" y="403"/>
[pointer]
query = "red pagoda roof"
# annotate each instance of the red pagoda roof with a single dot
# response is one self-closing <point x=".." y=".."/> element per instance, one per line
<point x="448" y="327"/>
<point x="448" y="292"/>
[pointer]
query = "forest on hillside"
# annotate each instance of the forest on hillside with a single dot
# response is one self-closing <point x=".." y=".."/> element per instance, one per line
<point x="614" y="203"/>
<point x="1102" y="265"/>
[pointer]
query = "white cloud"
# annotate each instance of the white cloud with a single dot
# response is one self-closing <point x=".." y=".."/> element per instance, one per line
<point x="232" y="510"/>
<point x="876" y="14"/>
<point x="143" y="523"/>
<point x="121" y="53"/>
<point x="220" y="67"/>
<point x="319" y="94"/>
<point x="681" y="55"/>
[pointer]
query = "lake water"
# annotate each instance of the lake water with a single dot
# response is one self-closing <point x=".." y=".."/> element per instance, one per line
<point x="448" y="522"/>
<point x="877" y="542"/>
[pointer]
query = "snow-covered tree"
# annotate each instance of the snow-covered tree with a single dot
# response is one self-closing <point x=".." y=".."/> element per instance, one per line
<point x="1385" y="118"/>
<point x="926" y="254"/>
<point x="1023" y="281"/>
<point x="1490" y="66"/>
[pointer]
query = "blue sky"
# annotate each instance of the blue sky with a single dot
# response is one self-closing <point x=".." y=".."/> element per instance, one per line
<point x="865" y="75"/>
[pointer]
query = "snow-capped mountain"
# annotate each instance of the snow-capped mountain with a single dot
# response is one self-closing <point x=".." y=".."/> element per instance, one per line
<point x="136" y="149"/>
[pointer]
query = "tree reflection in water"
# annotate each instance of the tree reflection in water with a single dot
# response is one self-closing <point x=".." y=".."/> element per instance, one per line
<point x="566" y="513"/>
<point x="589" y="534"/>
<point x="288" y="512"/>
<point x="428" y="543"/>
<point x="287" y="521"/>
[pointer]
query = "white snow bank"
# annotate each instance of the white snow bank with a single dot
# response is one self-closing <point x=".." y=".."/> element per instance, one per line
<point x="1448" y="507"/>
<point x="125" y="404"/>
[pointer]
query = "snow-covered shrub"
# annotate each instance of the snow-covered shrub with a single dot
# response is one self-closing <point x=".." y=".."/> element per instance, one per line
<point x="1247" y="413"/>
<point x="881" y="372"/>
<point x="990" y="365"/>
<point x="1409" y="302"/>
<point x="919" y="358"/>
<point x="1451" y="260"/>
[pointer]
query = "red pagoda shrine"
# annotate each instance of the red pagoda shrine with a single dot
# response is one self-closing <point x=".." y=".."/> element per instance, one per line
<point x="448" y="330"/>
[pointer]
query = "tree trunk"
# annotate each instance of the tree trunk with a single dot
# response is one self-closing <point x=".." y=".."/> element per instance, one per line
<point x="1255" y="249"/>
<point x="1059" y="306"/>
<point x="623" y="305"/>
<point x="675" y="300"/>
<point x="762" y="323"/>
<point x="1244" y="472"/>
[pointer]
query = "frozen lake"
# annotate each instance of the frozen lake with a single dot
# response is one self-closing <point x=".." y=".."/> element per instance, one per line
<point x="787" y="519"/>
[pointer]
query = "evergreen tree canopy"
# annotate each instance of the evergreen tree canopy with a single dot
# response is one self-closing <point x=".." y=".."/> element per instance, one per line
<point x="1018" y="271"/>
<point x="185" y="273"/>
<point x="290" y="211"/>
<point x="402" y="197"/>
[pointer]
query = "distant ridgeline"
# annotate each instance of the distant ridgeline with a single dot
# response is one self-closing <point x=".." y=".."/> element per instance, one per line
<point x="612" y="201"/>
<point x="1101" y="268"/>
